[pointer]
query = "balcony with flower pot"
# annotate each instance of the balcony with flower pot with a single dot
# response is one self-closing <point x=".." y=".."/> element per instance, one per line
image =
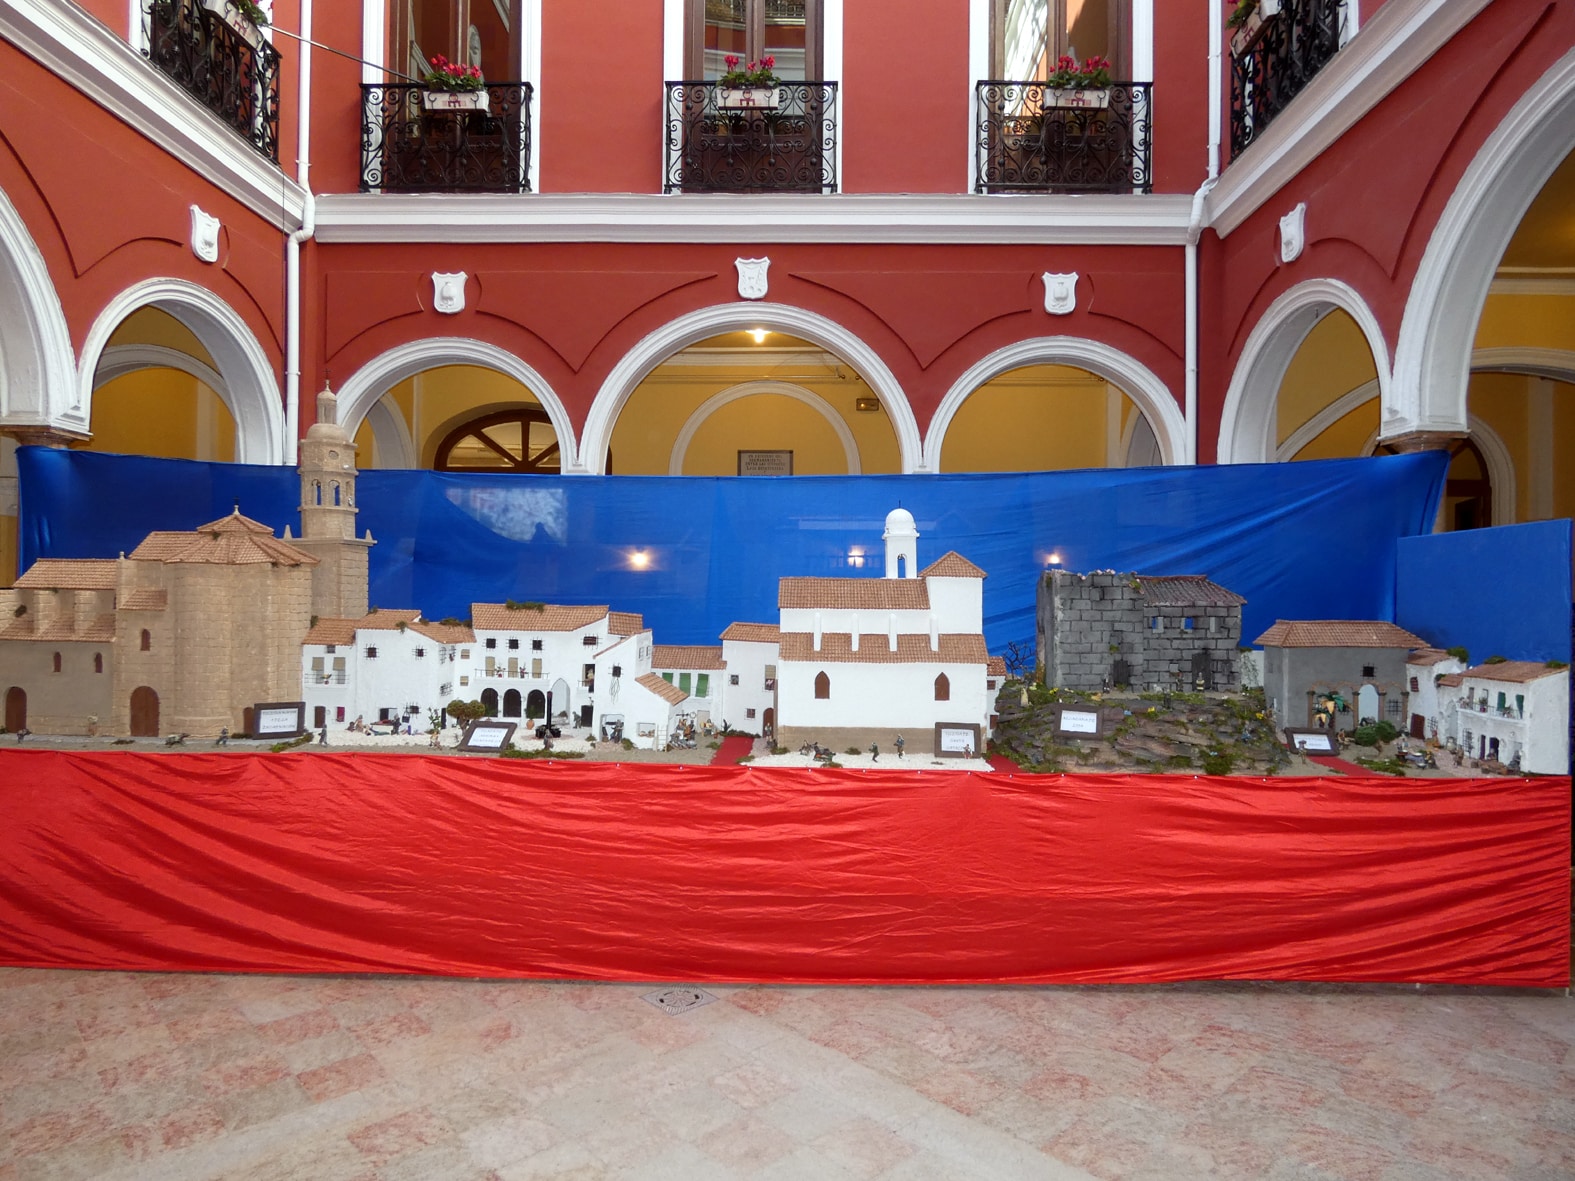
<point x="750" y="132"/>
<point x="452" y="132"/>
<point x="215" y="51"/>
<point x="1074" y="131"/>
<point x="1277" y="47"/>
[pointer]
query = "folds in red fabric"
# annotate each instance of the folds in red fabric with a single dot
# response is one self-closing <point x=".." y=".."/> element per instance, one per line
<point x="492" y="867"/>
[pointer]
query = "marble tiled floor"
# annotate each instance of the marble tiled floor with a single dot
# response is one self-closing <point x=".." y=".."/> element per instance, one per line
<point x="167" y="1077"/>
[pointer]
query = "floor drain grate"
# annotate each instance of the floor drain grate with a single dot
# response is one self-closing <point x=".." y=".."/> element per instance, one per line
<point x="678" y="1000"/>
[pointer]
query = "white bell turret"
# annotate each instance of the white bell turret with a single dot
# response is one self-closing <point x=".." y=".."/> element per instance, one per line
<point x="902" y="544"/>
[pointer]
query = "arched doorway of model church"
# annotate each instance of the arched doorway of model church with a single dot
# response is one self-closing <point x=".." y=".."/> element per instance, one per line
<point x="455" y="404"/>
<point x="489" y="702"/>
<point x="536" y="705"/>
<point x="511" y="703"/>
<point x="170" y="370"/>
<point x="756" y="386"/>
<point x="15" y="709"/>
<point x="1055" y="404"/>
<point x="753" y="402"/>
<point x="144" y="712"/>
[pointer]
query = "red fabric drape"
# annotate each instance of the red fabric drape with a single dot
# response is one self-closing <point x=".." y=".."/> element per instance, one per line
<point x="389" y="863"/>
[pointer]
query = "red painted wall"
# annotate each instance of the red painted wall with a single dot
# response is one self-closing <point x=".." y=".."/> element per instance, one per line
<point x="601" y="98"/>
<point x="906" y="105"/>
<point x="1181" y="96"/>
<point x="573" y="311"/>
<point x="63" y="157"/>
<point x="1375" y="196"/>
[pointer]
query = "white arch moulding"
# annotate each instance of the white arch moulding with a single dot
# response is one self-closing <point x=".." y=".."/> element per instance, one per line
<point x="750" y="389"/>
<point x="247" y="382"/>
<point x="696" y="326"/>
<point x="38" y="371"/>
<point x="1136" y="380"/>
<point x="1433" y="353"/>
<point x="1247" y="422"/>
<point x="366" y="387"/>
<point x="393" y="446"/>
<point x="1500" y="468"/>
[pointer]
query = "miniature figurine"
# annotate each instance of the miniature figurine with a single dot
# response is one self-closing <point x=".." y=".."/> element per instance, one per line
<point x="874" y="753"/>
<point x="223" y="738"/>
<point x="899" y="744"/>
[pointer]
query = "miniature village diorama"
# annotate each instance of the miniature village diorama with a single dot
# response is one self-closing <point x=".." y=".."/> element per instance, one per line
<point x="230" y="632"/>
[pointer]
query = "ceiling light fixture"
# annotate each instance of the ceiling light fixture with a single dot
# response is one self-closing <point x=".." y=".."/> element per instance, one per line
<point x="759" y="334"/>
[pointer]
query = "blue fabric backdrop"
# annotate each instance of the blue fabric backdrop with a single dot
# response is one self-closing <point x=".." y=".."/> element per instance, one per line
<point x="1299" y="540"/>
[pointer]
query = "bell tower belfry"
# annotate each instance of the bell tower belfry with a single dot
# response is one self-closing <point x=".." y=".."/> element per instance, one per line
<point x="328" y="512"/>
<point x="902" y="544"/>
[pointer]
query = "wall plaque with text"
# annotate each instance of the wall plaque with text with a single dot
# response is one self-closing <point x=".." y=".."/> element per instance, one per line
<point x="765" y="463"/>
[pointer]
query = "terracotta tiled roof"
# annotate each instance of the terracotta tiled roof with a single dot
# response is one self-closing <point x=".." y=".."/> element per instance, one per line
<point x="386" y="619"/>
<point x="332" y="631"/>
<point x="1187" y="590"/>
<point x="1338" y="633"/>
<point x="952" y="565"/>
<point x="867" y="594"/>
<point x="230" y="541"/>
<point x="445" y="633"/>
<point x="687" y="656"/>
<point x="69" y="574"/>
<point x="758" y="633"/>
<point x="1424" y="657"/>
<point x="616" y="640"/>
<point x="625" y="623"/>
<point x="1513" y="672"/>
<point x="1452" y="680"/>
<point x="997" y="666"/>
<point x="552" y="617"/>
<point x="671" y="694"/>
<point x="837" y="647"/>
<point x="144" y="598"/>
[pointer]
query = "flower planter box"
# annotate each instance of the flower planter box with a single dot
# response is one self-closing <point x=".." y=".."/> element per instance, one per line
<point x="232" y="16"/>
<point x="454" y="100"/>
<point x="748" y="98"/>
<point x="1246" y="36"/>
<point x="1090" y="98"/>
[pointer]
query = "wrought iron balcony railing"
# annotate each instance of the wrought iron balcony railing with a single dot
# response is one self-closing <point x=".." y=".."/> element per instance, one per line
<point x="235" y="74"/>
<point x="416" y="141"/>
<point x="775" y="139"/>
<point x="1274" y="57"/>
<point x="1032" y="138"/>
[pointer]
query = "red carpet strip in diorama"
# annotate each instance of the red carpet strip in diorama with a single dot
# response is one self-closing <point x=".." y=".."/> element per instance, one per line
<point x="1335" y="763"/>
<point x="734" y="748"/>
<point x="365" y="862"/>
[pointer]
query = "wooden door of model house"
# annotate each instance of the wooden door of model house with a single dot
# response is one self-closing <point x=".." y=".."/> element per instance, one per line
<point x="144" y="712"/>
<point x="15" y="709"/>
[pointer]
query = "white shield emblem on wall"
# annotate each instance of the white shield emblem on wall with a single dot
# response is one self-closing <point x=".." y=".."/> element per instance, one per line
<point x="1060" y="293"/>
<point x="448" y="292"/>
<point x="752" y="277"/>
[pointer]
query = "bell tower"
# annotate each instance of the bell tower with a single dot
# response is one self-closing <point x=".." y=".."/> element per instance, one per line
<point x="902" y="544"/>
<point x="328" y="512"/>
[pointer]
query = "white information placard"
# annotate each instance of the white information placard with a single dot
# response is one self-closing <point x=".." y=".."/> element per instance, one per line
<point x="277" y="719"/>
<point x="488" y="736"/>
<point x="957" y="740"/>
<point x="1079" y="721"/>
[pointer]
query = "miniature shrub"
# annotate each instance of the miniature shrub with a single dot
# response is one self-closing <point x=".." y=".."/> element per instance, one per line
<point x="1554" y="664"/>
<point x="626" y="743"/>
<point x="1218" y="762"/>
<point x="516" y="753"/>
<point x="1365" y="735"/>
<point x="1179" y="761"/>
<point x="1460" y="654"/>
<point x="852" y="750"/>
<point x="1496" y="660"/>
<point x="779" y="750"/>
<point x="281" y="747"/>
<point x="713" y="746"/>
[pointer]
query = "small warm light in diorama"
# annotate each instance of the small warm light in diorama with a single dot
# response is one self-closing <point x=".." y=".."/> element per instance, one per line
<point x="856" y="556"/>
<point x="1054" y="559"/>
<point x="759" y="334"/>
<point x="639" y="559"/>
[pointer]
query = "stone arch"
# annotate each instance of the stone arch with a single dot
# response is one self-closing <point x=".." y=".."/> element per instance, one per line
<point x="1135" y="379"/>
<point x="37" y="363"/>
<point x="1433" y="352"/>
<point x="748" y="389"/>
<point x="247" y="383"/>
<point x="367" y="385"/>
<point x="1248" y="420"/>
<point x="696" y="326"/>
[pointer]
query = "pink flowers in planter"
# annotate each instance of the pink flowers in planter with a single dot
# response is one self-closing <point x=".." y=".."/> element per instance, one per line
<point x="447" y="75"/>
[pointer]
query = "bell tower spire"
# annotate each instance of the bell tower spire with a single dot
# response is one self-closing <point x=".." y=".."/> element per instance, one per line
<point x="328" y="511"/>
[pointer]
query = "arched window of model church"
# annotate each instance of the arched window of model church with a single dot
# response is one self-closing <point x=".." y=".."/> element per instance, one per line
<point x="822" y="687"/>
<point x="483" y="33"/>
<point x="336" y="495"/>
<point x="1028" y="36"/>
<point x="943" y="688"/>
<point x="147" y="640"/>
<point x="98" y="662"/>
<point x="518" y="440"/>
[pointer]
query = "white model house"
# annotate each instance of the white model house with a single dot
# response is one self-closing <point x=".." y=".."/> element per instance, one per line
<point x="388" y="666"/>
<point x="1425" y="668"/>
<point x="699" y="671"/>
<point x="532" y="658"/>
<point x="861" y="660"/>
<point x="1509" y="710"/>
<point x="750" y="651"/>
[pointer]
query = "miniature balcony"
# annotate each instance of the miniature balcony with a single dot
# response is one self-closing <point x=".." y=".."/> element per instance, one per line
<point x="1274" y="57"/>
<point x="419" y="141"/>
<point x="776" y="139"/>
<point x="1032" y="138"/>
<point x="226" y="65"/>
